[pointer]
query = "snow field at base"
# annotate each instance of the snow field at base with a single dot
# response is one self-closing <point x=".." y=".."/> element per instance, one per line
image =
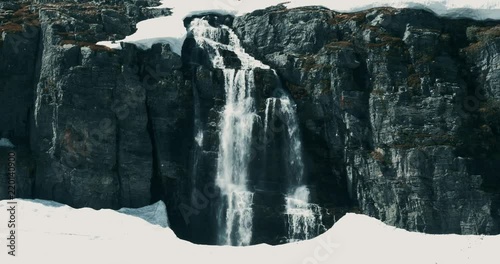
<point x="171" y="30"/>
<point x="53" y="233"/>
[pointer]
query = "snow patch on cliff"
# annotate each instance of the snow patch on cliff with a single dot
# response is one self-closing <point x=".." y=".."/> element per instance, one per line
<point x="171" y="30"/>
<point x="155" y="214"/>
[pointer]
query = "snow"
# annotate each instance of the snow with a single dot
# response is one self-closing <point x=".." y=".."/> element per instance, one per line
<point x="171" y="30"/>
<point x="6" y="143"/>
<point x="155" y="214"/>
<point x="53" y="233"/>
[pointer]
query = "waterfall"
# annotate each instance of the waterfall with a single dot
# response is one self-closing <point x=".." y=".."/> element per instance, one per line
<point x="234" y="155"/>
<point x="269" y="112"/>
<point x="303" y="219"/>
<point x="293" y="149"/>
<point x="235" y="132"/>
<point x="237" y="122"/>
<point x="198" y="147"/>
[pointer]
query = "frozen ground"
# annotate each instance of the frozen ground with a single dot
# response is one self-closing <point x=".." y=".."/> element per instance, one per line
<point x="53" y="233"/>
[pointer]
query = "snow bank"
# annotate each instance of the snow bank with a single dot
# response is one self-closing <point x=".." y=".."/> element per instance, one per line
<point x="53" y="233"/>
<point x="171" y="29"/>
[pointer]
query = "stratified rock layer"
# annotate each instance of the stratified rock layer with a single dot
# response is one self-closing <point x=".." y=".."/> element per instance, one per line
<point x="399" y="106"/>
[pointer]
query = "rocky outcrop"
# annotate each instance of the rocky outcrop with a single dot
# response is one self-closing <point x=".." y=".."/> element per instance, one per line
<point x="399" y="113"/>
<point x="81" y="111"/>
<point x="396" y="109"/>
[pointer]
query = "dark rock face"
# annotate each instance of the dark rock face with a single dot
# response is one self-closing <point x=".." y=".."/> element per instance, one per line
<point x="83" y="110"/>
<point x="170" y="110"/>
<point x="90" y="124"/>
<point x="396" y="107"/>
<point x="399" y="113"/>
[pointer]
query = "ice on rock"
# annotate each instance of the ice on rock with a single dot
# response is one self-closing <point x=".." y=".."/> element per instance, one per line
<point x="171" y="30"/>
<point x="155" y="214"/>
<point x="6" y="143"/>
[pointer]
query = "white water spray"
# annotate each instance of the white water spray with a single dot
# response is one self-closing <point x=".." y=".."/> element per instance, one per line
<point x="236" y="127"/>
<point x="234" y="155"/>
<point x="304" y="219"/>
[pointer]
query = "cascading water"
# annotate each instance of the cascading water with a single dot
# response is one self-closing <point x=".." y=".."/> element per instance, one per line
<point x="234" y="155"/>
<point x="304" y="219"/>
<point x="236" y="127"/>
<point x="237" y="122"/>
<point x="285" y="110"/>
